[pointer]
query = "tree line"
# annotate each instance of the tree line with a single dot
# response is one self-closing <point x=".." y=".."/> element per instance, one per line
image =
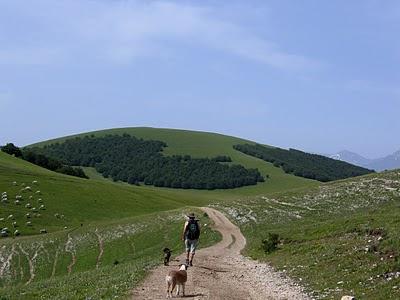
<point x="129" y="159"/>
<point x="43" y="161"/>
<point x="303" y="164"/>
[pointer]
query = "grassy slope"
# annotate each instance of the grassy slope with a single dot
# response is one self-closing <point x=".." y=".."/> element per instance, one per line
<point x="202" y="144"/>
<point x="80" y="200"/>
<point x="325" y="232"/>
<point x="134" y="224"/>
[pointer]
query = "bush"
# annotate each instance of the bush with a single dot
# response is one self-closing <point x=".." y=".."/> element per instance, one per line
<point x="270" y="244"/>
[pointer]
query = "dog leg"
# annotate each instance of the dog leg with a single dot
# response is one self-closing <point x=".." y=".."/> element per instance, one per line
<point x="178" y="289"/>
<point x="183" y="290"/>
<point x="173" y="287"/>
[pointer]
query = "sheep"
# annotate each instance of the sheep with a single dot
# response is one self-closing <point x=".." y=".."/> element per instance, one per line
<point x="1" y="219"/>
<point x="23" y="184"/>
<point x="29" y="223"/>
<point x="14" y="183"/>
<point x="348" y="298"/>
<point x="28" y="215"/>
<point x="34" y="209"/>
<point x="42" y="207"/>
<point x="65" y="227"/>
<point x="30" y="197"/>
<point x="3" y="234"/>
<point x="28" y="205"/>
<point x="18" y="197"/>
<point x="10" y="217"/>
<point x="17" y="202"/>
<point x="14" y="224"/>
<point x="38" y="192"/>
<point x="28" y="188"/>
<point x="5" y="229"/>
<point x="17" y="233"/>
<point x="40" y="200"/>
<point x="4" y="200"/>
<point x="43" y="231"/>
<point x="57" y="215"/>
<point x="35" y="182"/>
<point x="38" y="215"/>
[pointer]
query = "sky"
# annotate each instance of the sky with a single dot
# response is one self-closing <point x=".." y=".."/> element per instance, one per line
<point x="320" y="76"/>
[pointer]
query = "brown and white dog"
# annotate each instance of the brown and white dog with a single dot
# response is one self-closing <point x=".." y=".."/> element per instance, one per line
<point x="178" y="278"/>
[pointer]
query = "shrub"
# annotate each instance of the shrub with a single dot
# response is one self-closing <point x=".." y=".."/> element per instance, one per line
<point x="270" y="244"/>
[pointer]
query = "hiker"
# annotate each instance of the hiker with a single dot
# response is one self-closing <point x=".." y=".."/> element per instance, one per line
<point x="191" y="234"/>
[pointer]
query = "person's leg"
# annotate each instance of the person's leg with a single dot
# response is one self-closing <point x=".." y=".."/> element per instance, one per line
<point x="187" y="246"/>
<point x="193" y="246"/>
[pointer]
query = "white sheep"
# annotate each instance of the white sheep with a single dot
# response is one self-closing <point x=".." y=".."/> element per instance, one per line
<point x="43" y="231"/>
<point x="40" y="200"/>
<point x="42" y="207"/>
<point x="29" y="223"/>
<point x="28" y="215"/>
<point x="38" y="192"/>
<point x="348" y="298"/>
<point x="35" y="182"/>
<point x="57" y="215"/>
<point x="4" y="233"/>
<point x="14" y="183"/>
<point x="17" y="233"/>
<point x="28" y="205"/>
<point x="23" y="184"/>
<point x="34" y="209"/>
<point x="14" y="224"/>
<point x="28" y="188"/>
<point x="30" y="197"/>
<point x="18" y="197"/>
<point x="1" y="219"/>
<point x="17" y="202"/>
<point x="10" y="217"/>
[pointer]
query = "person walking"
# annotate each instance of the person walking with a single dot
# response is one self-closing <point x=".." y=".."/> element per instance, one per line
<point x="191" y="234"/>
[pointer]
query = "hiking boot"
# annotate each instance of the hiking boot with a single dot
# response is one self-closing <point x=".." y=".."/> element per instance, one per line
<point x="191" y="263"/>
<point x="187" y="262"/>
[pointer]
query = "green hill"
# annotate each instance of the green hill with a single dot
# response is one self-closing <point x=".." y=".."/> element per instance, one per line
<point x="205" y="144"/>
<point x="99" y="233"/>
<point x="339" y="238"/>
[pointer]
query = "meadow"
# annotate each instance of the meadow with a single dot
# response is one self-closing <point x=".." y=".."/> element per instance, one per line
<point x="340" y="238"/>
<point x="336" y="238"/>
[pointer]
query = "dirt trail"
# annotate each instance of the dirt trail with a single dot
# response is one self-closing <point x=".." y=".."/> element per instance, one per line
<point x="221" y="272"/>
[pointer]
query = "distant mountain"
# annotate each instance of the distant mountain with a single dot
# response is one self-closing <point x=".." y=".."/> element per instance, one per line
<point x="389" y="162"/>
<point x="352" y="158"/>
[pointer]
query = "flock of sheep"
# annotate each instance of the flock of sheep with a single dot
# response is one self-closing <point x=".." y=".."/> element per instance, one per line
<point x="32" y="211"/>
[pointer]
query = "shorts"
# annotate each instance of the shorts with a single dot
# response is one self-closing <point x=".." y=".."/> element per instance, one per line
<point x="191" y="245"/>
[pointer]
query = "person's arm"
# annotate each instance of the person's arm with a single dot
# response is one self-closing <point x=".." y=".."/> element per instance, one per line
<point x="184" y="231"/>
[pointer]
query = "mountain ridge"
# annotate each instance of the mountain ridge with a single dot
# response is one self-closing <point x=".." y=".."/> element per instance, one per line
<point x="388" y="162"/>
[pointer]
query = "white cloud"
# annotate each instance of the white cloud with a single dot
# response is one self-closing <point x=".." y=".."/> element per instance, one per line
<point x="121" y="31"/>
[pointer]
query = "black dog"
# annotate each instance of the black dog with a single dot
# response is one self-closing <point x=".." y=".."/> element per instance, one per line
<point x="167" y="256"/>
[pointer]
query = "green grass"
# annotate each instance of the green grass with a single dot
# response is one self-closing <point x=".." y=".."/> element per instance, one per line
<point x="131" y="247"/>
<point x="324" y="233"/>
<point x="205" y="144"/>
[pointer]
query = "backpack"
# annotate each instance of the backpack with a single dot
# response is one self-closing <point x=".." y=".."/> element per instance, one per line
<point x="192" y="230"/>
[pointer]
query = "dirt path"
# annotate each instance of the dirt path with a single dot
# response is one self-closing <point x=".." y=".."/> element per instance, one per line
<point x="221" y="272"/>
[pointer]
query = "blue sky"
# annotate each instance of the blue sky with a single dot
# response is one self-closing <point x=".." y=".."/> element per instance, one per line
<point x="320" y="76"/>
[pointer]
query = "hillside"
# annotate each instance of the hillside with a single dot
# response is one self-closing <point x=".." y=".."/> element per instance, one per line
<point x="79" y="200"/>
<point x="204" y="144"/>
<point x="101" y="236"/>
<point x="339" y="238"/>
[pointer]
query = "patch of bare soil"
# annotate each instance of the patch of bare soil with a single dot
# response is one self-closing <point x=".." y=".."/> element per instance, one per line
<point x="221" y="272"/>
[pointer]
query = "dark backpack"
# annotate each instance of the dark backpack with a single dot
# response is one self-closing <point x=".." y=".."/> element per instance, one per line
<point x="192" y="230"/>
